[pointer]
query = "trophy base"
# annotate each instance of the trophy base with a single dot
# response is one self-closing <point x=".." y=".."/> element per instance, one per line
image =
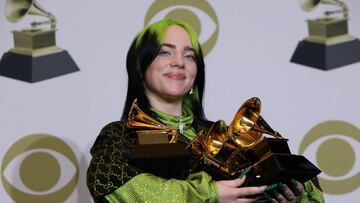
<point x="281" y="168"/>
<point x="268" y="145"/>
<point x="271" y="162"/>
<point x="33" y="69"/>
<point x="326" y="57"/>
<point x="165" y="160"/>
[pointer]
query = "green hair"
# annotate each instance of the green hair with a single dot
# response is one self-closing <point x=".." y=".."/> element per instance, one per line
<point x="159" y="30"/>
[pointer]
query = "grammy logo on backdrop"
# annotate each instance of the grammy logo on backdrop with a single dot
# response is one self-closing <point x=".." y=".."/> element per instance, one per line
<point x="328" y="45"/>
<point x="35" y="56"/>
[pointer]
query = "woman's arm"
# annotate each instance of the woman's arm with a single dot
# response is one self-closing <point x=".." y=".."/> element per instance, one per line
<point x="111" y="178"/>
<point x="145" y="187"/>
<point x="108" y="169"/>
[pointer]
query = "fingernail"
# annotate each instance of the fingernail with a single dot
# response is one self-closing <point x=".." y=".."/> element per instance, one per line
<point x="244" y="171"/>
<point x="271" y="187"/>
<point x="281" y="186"/>
<point x="293" y="182"/>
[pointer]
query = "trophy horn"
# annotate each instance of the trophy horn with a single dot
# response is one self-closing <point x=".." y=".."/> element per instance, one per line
<point x="216" y="137"/>
<point x="308" y="5"/>
<point x="17" y="9"/>
<point x="248" y="125"/>
<point x="144" y="123"/>
<point x="207" y="147"/>
<point x="212" y="141"/>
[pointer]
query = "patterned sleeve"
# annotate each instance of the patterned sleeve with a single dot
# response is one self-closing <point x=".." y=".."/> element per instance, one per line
<point x="145" y="187"/>
<point x="108" y="169"/>
<point x="111" y="179"/>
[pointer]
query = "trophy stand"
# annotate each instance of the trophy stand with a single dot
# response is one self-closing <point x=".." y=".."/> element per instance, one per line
<point x="35" y="57"/>
<point x="273" y="162"/>
<point x="328" y="45"/>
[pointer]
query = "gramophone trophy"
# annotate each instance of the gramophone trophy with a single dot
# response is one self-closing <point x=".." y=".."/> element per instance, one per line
<point x="222" y="151"/>
<point x="158" y="150"/>
<point x="35" y="56"/>
<point x="225" y="151"/>
<point x="329" y="44"/>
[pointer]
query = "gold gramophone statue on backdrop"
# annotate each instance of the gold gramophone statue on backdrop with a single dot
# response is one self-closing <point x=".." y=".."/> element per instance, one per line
<point x="35" y="56"/>
<point x="222" y="151"/>
<point x="329" y="44"/>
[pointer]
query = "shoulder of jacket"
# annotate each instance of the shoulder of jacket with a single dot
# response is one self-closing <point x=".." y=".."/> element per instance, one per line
<point x="114" y="125"/>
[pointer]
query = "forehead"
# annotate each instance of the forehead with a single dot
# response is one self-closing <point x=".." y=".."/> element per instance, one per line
<point x="178" y="36"/>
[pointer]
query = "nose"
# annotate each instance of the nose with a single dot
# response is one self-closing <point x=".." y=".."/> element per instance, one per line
<point x="178" y="61"/>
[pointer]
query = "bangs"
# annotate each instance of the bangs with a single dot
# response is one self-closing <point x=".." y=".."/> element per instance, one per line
<point x="159" y="28"/>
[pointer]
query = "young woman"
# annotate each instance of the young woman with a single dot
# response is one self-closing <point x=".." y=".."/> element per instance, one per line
<point x="166" y="75"/>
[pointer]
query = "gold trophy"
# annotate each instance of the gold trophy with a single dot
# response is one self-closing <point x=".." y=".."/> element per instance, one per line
<point x="329" y="45"/>
<point x="35" y="56"/>
<point x="158" y="150"/>
<point x="225" y="152"/>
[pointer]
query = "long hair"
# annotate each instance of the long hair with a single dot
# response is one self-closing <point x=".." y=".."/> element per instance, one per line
<point x="143" y="50"/>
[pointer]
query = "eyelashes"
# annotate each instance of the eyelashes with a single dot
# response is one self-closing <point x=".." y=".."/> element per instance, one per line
<point x="168" y="53"/>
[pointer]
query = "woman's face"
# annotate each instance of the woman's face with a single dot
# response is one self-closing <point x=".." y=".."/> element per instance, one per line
<point x="172" y="73"/>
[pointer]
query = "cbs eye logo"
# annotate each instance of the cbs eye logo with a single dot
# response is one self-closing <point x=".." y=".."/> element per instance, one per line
<point x="39" y="168"/>
<point x="336" y="155"/>
<point x="199" y="14"/>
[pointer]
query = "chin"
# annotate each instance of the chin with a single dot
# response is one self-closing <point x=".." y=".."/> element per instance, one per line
<point x="176" y="91"/>
<point x="175" y="95"/>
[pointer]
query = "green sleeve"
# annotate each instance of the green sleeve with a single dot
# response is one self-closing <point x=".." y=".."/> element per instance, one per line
<point x="145" y="187"/>
<point x="311" y="194"/>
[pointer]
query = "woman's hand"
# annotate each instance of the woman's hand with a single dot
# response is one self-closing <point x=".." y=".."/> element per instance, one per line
<point x="230" y="191"/>
<point x="284" y="193"/>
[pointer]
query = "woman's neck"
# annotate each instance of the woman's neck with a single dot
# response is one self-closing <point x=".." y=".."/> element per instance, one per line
<point x="169" y="107"/>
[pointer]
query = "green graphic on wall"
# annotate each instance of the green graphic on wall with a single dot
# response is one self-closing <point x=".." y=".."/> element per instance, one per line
<point x="335" y="156"/>
<point x="39" y="168"/>
<point x="188" y="11"/>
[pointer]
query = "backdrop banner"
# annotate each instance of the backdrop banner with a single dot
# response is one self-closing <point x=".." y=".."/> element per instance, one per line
<point x="48" y="124"/>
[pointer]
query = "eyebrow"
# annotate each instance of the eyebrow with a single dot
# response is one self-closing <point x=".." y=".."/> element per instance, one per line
<point x="187" y="48"/>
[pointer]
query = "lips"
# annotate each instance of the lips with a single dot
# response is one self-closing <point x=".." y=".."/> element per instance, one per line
<point x="175" y="76"/>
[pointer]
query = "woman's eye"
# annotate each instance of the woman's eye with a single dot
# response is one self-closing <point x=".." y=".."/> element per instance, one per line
<point x="190" y="56"/>
<point x="164" y="53"/>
